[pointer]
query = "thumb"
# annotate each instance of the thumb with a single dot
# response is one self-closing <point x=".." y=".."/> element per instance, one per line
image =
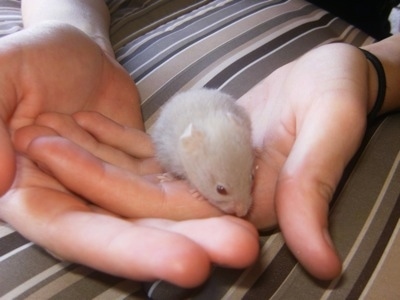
<point x="7" y="160"/>
<point x="325" y="142"/>
<point x="305" y="187"/>
<point x="302" y="208"/>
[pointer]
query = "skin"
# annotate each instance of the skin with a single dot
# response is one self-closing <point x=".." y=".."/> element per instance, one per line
<point x="303" y="141"/>
<point x="34" y="77"/>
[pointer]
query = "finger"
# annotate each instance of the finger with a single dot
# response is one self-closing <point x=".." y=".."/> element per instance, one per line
<point x="303" y="219"/>
<point x="68" y="229"/>
<point x="229" y="241"/>
<point x="113" y="188"/>
<point x="7" y="160"/>
<point x="105" y="130"/>
<point x="67" y="127"/>
<point x="307" y="183"/>
<point x="23" y="137"/>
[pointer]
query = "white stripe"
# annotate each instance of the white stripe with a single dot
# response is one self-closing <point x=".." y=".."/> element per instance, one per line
<point x="5" y="229"/>
<point x="15" y="251"/>
<point x="152" y="288"/>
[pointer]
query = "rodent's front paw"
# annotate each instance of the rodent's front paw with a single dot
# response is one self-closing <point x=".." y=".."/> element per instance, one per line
<point x="197" y="195"/>
<point x="166" y="177"/>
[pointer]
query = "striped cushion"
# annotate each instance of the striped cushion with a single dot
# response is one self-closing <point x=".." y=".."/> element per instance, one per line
<point x="10" y="17"/>
<point x="230" y="45"/>
<point x="174" y="45"/>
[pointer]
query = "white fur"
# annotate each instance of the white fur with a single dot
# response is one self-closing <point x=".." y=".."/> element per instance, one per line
<point x="203" y="136"/>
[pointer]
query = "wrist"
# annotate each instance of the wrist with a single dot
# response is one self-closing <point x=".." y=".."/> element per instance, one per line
<point x="90" y="16"/>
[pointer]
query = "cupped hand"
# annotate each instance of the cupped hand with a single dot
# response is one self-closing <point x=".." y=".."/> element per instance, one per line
<point x="55" y="68"/>
<point x="308" y="118"/>
<point x="74" y="229"/>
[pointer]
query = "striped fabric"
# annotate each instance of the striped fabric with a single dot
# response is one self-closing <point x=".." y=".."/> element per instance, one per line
<point x="230" y="45"/>
<point x="10" y="17"/>
<point x="168" y="46"/>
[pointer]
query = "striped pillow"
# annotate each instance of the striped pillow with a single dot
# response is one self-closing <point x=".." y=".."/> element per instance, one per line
<point x="173" y="45"/>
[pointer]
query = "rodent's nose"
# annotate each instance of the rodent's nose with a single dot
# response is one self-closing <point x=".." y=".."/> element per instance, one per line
<point x="241" y="210"/>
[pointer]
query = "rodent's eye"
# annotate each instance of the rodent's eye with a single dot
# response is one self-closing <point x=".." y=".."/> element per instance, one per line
<point x="221" y="190"/>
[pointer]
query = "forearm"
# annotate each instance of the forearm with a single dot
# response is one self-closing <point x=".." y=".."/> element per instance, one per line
<point x="388" y="52"/>
<point x="90" y="16"/>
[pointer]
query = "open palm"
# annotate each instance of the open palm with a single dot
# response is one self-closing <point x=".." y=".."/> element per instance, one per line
<point x="56" y="69"/>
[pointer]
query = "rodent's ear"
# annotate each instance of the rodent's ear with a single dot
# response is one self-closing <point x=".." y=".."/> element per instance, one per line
<point x="239" y="118"/>
<point x="191" y="138"/>
<point x="234" y="118"/>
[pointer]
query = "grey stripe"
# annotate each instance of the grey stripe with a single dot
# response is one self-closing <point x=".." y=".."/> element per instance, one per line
<point x="11" y="242"/>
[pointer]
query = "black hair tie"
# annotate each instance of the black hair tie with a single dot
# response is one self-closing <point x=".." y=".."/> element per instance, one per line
<point x="381" y="85"/>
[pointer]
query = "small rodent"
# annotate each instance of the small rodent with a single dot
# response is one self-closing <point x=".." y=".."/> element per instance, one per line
<point x="203" y="136"/>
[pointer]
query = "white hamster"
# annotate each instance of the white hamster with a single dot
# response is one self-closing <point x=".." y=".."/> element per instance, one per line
<point x="203" y="136"/>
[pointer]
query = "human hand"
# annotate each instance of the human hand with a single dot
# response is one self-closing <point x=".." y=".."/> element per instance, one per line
<point x="84" y="232"/>
<point x="308" y="119"/>
<point x="56" y="68"/>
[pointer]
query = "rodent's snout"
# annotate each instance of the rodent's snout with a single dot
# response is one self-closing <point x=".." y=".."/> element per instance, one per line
<point x="237" y="208"/>
<point x="240" y="209"/>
